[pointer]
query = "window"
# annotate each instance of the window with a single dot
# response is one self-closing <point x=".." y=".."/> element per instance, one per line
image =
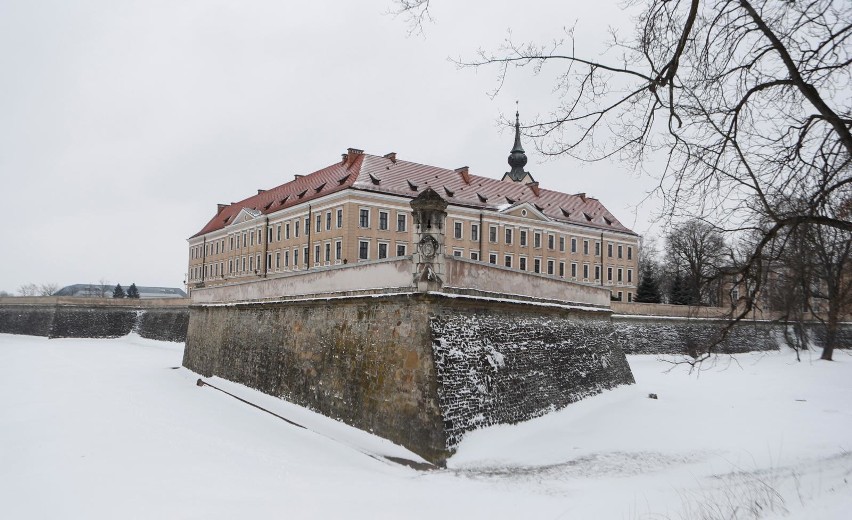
<point x="230" y="266"/>
<point x="296" y="225"/>
<point x="318" y="227"/>
<point x="383" y="250"/>
<point x="400" y="250"/>
<point x="609" y="250"/>
<point x="305" y="256"/>
<point x="474" y="255"/>
<point x="278" y="233"/>
<point x="508" y="236"/>
<point x="474" y="232"/>
<point x="620" y="278"/>
<point x="597" y="249"/>
<point x="232" y="243"/>
<point x="551" y="242"/>
<point x="268" y="261"/>
<point x="251" y="239"/>
<point x="537" y="240"/>
<point x="458" y="253"/>
<point x="338" y="250"/>
<point x="562" y="244"/>
<point x="259" y="236"/>
<point x="537" y="265"/>
<point x="629" y="257"/>
<point x="562" y="269"/>
<point x="251" y="263"/>
<point x="597" y="272"/>
<point x="286" y="259"/>
<point x="585" y="271"/>
<point x="217" y="245"/>
<point x="550" y="266"/>
<point x="258" y="261"/>
<point x="278" y="260"/>
<point x="457" y="229"/>
<point x="523" y="238"/>
<point x="573" y="270"/>
<point x="328" y="221"/>
<point x="287" y="231"/>
<point x="629" y="297"/>
<point x="401" y="222"/>
<point x="363" y="249"/>
<point x="609" y="274"/>
<point x="492" y="258"/>
<point x="522" y="263"/>
<point x="364" y="218"/>
<point x="296" y="258"/>
<point x="507" y="260"/>
<point x="339" y="218"/>
<point x="307" y="225"/>
<point x="328" y="249"/>
<point x="620" y="295"/>
<point x="492" y="236"/>
<point x="619" y="251"/>
<point x="383" y="220"/>
<point x="269" y="235"/>
<point x="244" y="264"/>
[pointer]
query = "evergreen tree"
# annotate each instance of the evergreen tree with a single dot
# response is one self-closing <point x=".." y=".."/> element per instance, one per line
<point x="678" y="295"/>
<point x="118" y="292"/>
<point x="648" y="290"/>
<point x="132" y="291"/>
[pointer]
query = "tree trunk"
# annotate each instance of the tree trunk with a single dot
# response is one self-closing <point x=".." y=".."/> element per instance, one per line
<point x="830" y="333"/>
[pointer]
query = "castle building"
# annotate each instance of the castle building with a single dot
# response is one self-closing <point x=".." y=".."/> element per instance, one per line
<point x="357" y="210"/>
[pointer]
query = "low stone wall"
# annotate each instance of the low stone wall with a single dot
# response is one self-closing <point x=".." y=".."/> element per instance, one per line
<point x="94" y="318"/>
<point x="418" y="369"/>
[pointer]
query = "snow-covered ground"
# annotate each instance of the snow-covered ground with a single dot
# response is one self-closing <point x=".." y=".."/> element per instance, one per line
<point x="104" y="429"/>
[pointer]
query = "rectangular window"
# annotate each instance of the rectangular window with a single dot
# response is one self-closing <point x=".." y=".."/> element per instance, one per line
<point x="537" y="265"/>
<point x="268" y="261"/>
<point x="609" y="250"/>
<point x="474" y="232"/>
<point x="286" y="231"/>
<point x="286" y="259"/>
<point x="562" y="269"/>
<point x="474" y="255"/>
<point x="492" y="258"/>
<point x="307" y="225"/>
<point x="383" y="250"/>
<point x="562" y="244"/>
<point x="551" y="242"/>
<point x="597" y="248"/>
<point x="383" y="220"/>
<point x="629" y="297"/>
<point x="401" y="222"/>
<point x="338" y="250"/>
<point x="296" y="225"/>
<point x="507" y="260"/>
<point x="523" y="238"/>
<point x="278" y="233"/>
<point x="258" y="261"/>
<point x="458" y="253"/>
<point x="620" y="278"/>
<point x="400" y="250"/>
<point x="259" y="236"/>
<point x="629" y="257"/>
<point x="573" y="270"/>
<point x="508" y="236"/>
<point x="230" y="266"/>
<point x="328" y="221"/>
<point x="251" y="263"/>
<point x="339" y="218"/>
<point x="619" y="251"/>
<point x="363" y="250"/>
<point x="537" y="240"/>
<point x="457" y="230"/>
<point x="609" y="274"/>
<point x="296" y="258"/>
<point x="244" y="264"/>
<point x="364" y="218"/>
<point x="492" y="236"/>
<point x="251" y="239"/>
<point x="550" y="266"/>
<point x="269" y="235"/>
<point x="277" y="260"/>
<point x="231" y="244"/>
<point x="522" y="263"/>
<point x="585" y="271"/>
<point x="328" y="250"/>
<point x="318" y="226"/>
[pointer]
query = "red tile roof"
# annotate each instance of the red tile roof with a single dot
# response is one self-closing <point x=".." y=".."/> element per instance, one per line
<point x="392" y="176"/>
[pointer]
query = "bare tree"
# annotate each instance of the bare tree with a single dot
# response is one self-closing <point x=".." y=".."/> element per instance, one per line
<point x="29" y="289"/>
<point x="697" y="250"/>
<point x="47" y="289"/>
<point x="748" y="99"/>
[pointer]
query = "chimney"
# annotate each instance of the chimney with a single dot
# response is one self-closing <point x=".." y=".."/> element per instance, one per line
<point x="350" y="154"/>
<point x="582" y="196"/>
<point x="343" y="158"/>
<point x="260" y="191"/>
<point x="297" y="176"/>
<point x="220" y="207"/>
<point x="534" y="187"/>
<point x="391" y="156"/>
<point x="465" y="174"/>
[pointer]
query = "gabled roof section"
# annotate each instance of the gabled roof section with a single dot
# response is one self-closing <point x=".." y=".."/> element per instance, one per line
<point x="334" y="178"/>
<point x="525" y="210"/>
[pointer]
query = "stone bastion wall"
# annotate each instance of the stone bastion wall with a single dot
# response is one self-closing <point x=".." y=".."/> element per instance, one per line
<point x="420" y="369"/>
<point x="67" y="317"/>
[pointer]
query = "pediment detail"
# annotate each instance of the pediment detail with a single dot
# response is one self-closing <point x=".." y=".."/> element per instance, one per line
<point x="525" y="210"/>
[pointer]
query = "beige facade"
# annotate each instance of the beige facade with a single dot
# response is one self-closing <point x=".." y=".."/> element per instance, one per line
<point x="356" y="225"/>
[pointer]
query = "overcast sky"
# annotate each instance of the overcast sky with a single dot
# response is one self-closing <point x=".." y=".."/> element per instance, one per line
<point x="123" y="124"/>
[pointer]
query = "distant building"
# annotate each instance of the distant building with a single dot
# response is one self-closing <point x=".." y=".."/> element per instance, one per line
<point x="89" y="290"/>
<point x="358" y="210"/>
